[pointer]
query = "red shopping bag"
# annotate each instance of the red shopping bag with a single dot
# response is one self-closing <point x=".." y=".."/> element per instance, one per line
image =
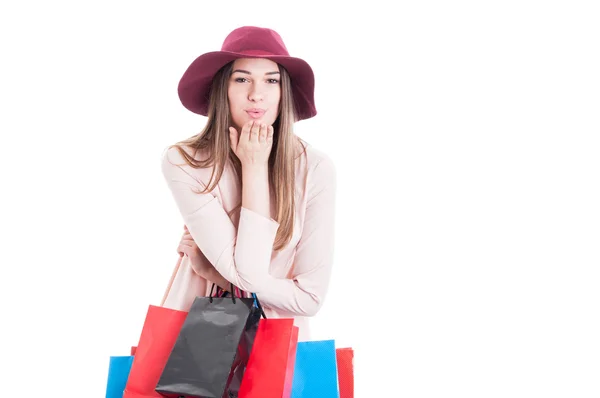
<point x="159" y="333"/>
<point x="289" y="374"/>
<point x="270" y="369"/>
<point x="345" y="368"/>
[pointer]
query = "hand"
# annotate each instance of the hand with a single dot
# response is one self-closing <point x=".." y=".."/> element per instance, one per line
<point x="200" y="264"/>
<point x="254" y="144"/>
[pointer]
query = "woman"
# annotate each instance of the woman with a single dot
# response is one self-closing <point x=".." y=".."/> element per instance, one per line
<point x="257" y="201"/>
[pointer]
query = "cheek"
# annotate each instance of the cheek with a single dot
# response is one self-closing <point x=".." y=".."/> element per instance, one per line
<point x="237" y="118"/>
<point x="274" y="106"/>
<point x="233" y="98"/>
<point x="236" y="104"/>
<point x="274" y="112"/>
<point x="237" y="93"/>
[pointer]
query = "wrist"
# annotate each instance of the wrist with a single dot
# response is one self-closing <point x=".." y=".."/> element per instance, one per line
<point x="255" y="169"/>
<point x="213" y="276"/>
<point x="209" y="274"/>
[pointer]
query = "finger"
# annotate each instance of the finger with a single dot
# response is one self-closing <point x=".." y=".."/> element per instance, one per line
<point x="263" y="133"/>
<point x="182" y="250"/>
<point x="187" y="236"/>
<point x="270" y="134"/>
<point x="255" y="132"/>
<point x="187" y="249"/>
<point x="188" y="242"/>
<point x="234" y="138"/>
<point x="245" y="135"/>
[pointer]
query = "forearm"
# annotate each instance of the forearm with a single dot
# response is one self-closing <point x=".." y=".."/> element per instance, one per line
<point x="256" y="228"/>
<point x="213" y="276"/>
<point x="285" y="295"/>
<point x="255" y="190"/>
<point x="240" y="255"/>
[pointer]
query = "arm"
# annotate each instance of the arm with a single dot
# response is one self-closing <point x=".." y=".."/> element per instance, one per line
<point x="237" y="261"/>
<point x="216" y="278"/>
<point x="246" y="265"/>
<point x="255" y="190"/>
<point x="305" y="292"/>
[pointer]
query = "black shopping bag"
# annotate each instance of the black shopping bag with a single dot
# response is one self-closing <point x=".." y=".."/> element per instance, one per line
<point x="210" y="355"/>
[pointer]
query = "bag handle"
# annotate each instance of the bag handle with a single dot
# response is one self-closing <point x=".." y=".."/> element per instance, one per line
<point x="212" y="288"/>
<point x="259" y="306"/>
<point x="256" y="301"/>
<point x="168" y="289"/>
<point x="174" y="274"/>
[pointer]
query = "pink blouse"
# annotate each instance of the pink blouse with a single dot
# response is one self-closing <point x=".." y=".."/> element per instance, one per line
<point x="290" y="283"/>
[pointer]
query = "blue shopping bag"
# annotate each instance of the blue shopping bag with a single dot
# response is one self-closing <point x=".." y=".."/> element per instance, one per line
<point x="315" y="372"/>
<point x="118" y="372"/>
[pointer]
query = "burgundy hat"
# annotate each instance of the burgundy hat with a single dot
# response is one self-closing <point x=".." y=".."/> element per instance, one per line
<point x="247" y="42"/>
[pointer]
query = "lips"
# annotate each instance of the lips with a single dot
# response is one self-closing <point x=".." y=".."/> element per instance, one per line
<point x="255" y="113"/>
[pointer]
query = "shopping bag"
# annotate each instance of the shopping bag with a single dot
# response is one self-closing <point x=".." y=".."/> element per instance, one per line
<point x="159" y="332"/>
<point x="270" y="368"/>
<point x="211" y="352"/>
<point x="315" y="371"/>
<point x="118" y="372"/>
<point x="345" y="369"/>
<point x="289" y="374"/>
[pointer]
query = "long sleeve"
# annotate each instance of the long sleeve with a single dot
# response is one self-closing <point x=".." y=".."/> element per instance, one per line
<point x="244" y="258"/>
<point x="305" y="292"/>
<point x="214" y="232"/>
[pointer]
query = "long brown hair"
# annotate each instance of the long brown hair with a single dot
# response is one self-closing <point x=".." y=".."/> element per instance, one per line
<point x="214" y="140"/>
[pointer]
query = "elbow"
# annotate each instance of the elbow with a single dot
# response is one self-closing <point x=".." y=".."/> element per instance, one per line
<point x="311" y="311"/>
<point x="242" y="275"/>
<point x="249" y="276"/>
<point x="312" y="306"/>
<point x="252" y="282"/>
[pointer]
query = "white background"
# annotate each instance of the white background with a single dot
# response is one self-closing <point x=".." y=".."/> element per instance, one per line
<point x="465" y="135"/>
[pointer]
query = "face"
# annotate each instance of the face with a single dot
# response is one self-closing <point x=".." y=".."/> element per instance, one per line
<point x="254" y="91"/>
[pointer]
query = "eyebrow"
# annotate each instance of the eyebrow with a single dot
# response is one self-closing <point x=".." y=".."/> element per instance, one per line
<point x="248" y="73"/>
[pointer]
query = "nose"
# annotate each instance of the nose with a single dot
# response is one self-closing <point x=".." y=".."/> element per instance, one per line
<point x="255" y="93"/>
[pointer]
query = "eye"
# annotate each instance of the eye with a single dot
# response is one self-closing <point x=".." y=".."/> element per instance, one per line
<point x="241" y="79"/>
<point x="273" y="81"/>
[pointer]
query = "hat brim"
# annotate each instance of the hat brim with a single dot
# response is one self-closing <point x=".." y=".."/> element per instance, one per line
<point x="194" y="85"/>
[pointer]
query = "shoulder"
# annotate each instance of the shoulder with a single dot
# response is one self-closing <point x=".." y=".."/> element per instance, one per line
<point x="320" y="172"/>
<point x="319" y="164"/>
<point x="180" y="156"/>
<point x="171" y="156"/>
<point x="172" y="161"/>
<point x="177" y="154"/>
<point x="178" y="164"/>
